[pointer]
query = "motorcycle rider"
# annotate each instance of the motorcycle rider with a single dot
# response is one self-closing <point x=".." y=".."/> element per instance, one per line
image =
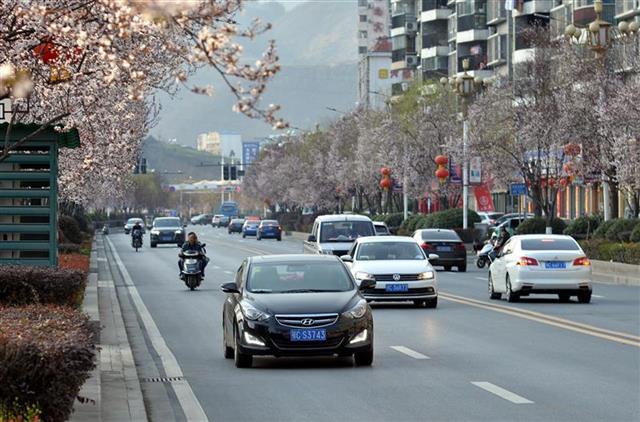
<point x="136" y="231"/>
<point x="192" y="245"/>
<point x="503" y="237"/>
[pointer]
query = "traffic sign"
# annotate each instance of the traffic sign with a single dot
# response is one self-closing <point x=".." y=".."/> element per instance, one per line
<point x="518" y="189"/>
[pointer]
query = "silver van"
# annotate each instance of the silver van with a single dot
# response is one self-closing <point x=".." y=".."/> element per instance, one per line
<point x="335" y="234"/>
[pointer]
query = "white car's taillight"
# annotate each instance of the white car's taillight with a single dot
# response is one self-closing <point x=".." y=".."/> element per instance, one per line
<point x="583" y="261"/>
<point x="525" y="261"/>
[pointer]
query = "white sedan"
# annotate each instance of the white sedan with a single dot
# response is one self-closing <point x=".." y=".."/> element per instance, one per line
<point x="547" y="264"/>
<point x="398" y="265"/>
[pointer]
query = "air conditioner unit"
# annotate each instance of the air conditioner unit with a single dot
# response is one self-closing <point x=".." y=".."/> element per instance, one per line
<point x="411" y="61"/>
<point x="411" y="27"/>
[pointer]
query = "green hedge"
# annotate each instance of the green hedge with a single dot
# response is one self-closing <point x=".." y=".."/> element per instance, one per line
<point x="538" y="225"/>
<point x="583" y="227"/>
<point x="391" y="220"/>
<point x="21" y="285"/>
<point x="46" y="354"/>
<point x="448" y="219"/>
<point x="409" y="225"/>
<point x="621" y="229"/>
<point x="635" y="234"/>
<point x="601" y="232"/>
<point x="70" y="229"/>
<point x="627" y="253"/>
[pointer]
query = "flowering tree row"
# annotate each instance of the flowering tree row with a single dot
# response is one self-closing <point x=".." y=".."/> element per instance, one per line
<point x="94" y="65"/>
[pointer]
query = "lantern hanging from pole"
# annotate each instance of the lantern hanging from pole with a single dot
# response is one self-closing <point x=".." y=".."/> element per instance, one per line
<point x="441" y="160"/>
<point x="385" y="183"/>
<point x="385" y="171"/>
<point x="442" y="173"/>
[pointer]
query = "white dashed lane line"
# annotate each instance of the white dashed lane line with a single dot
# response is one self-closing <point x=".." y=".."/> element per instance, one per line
<point x="409" y="352"/>
<point x="480" y="278"/>
<point x="228" y="272"/>
<point x="501" y="392"/>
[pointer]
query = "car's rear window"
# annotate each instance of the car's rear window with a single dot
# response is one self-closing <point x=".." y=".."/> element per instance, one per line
<point x="267" y="222"/>
<point x="446" y="235"/>
<point x="381" y="229"/>
<point x="549" y="244"/>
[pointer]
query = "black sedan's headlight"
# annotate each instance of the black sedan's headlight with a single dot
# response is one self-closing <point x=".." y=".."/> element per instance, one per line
<point x="358" y="311"/>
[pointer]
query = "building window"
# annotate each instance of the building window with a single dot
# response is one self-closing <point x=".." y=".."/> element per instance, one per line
<point x="362" y="50"/>
<point x="363" y="34"/>
<point x="362" y="3"/>
<point x="363" y="18"/>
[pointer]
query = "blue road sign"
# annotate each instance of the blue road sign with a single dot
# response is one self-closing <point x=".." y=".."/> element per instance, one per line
<point x="518" y="189"/>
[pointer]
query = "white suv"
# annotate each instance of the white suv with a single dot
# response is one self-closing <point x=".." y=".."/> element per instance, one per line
<point x="335" y="234"/>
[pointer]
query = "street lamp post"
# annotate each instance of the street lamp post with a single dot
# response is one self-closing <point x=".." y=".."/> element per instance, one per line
<point x="465" y="86"/>
<point x="600" y="36"/>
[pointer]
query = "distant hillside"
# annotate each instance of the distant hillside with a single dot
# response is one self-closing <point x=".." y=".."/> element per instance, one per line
<point x="169" y="159"/>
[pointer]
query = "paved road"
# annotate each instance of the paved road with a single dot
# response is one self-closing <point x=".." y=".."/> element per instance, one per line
<point x="469" y="359"/>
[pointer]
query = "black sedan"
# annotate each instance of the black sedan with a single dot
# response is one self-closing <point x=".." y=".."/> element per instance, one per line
<point x="446" y="244"/>
<point x="235" y="225"/>
<point x="296" y="305"/>
<point x="167" y="230"/>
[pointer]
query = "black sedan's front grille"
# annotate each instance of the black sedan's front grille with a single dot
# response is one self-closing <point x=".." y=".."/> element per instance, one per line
<point x="403" y="277"/>
<point x="307" y="321"/>
<point x="383" y="292"/>
<point x="330" y="343"/>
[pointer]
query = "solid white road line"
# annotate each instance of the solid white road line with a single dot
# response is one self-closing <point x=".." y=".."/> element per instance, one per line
<point x="501" y="392"/>
<point x="228" y="272"/>
<point x="409" y="352"/>
<point x="187" y="399"/>
<point x="598" y="296"/>
<point x="215" y="267"/>
<point x="480" y="278"/>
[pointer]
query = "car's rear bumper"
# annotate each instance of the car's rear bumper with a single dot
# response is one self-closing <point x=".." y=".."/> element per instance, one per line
<point x="271" y="234"/>
<point x="275" y="338"/>
<point x="448" y="261"/>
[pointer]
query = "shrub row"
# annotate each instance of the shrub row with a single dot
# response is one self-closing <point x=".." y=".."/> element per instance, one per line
<point x="635" y="234"/>
<point x="393" y="220"/>
<point x="583" y="227"/>
<point x="538" y="225"/>
<point x="46" y="354"/>
<point x="628" y="253"/>
<point x="69" y="248"/>
<point x="20" y="285"/>
<point x="70" y="229"/>
<point x="447" y="219"/>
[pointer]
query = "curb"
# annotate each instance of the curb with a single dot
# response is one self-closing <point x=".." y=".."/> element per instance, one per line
<point x="91" y="408"/>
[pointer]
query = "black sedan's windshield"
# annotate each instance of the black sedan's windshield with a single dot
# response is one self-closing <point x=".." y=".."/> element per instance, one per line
<point x="169" y="222"/>
<point x="345" y="231"/>
<point x="299" y="277"/>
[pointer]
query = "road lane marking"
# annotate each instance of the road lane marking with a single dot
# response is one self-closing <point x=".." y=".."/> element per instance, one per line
<point x="215" y="267"/>
<point x="228" y="272"/>
<point x="501" y="392"/>
<point x="616" y="336"/>
<point x="481" y="278"/>
<point x="409" y="352"/>
<point x="188" y="401"/>
<point x="598" y="296"/>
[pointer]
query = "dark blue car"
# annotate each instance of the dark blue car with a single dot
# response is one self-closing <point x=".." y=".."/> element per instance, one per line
<point x="269" y="228"/>
<point x="250" y="228"/>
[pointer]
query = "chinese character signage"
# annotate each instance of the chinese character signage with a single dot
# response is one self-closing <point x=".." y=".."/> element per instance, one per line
<point x="250" y="151"/>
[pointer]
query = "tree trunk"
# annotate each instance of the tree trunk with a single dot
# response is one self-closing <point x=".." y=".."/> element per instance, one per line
<point x="613" y="199"/>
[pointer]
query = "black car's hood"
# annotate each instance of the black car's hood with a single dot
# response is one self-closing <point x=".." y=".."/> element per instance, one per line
<point x="304" y="303"/>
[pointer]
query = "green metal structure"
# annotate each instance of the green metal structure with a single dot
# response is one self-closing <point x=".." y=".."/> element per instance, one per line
<point x="29" y="196"/>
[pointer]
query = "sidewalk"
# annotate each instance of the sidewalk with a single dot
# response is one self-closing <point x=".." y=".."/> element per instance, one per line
<point x="113" y="392"/>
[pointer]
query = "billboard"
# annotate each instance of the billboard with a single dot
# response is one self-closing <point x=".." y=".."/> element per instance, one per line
<point x="250" y="151"/>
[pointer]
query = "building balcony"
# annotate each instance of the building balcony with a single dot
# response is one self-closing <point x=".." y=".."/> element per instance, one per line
<point x="433" y="4"/>
<point x="537" y="6"/>
<point x="496" y="12"/>
<point x="472" y="35"/>
<point x="435" y="14"/>
<point x="523" y="55"/>
<point x="476" y="62"/>
<point x="469" y="22"/>
<point x="626" y="9"/>
<point x="438" y="51"/>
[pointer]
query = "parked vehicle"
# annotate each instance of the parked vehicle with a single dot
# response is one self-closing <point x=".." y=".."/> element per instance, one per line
<point x="167" y="230"/>
<point x="224" y="221"/>
<point x="446" y="244"/>
<point x="229" y="209"/>
<point x="335" y="234"/>
<point x="398" y="265"/>
<point x="269" y="228"/>
<point x="381" y="228"/>
<point x="235" y="225"/>
<point x="296" y="305"/>
<point x="191" y="273"/>
<point x="541" y="264"/>
<point x="215" y="221"/>
<point x="105" y="229"/>
<point x="250" y="228"/>
<point x="490" y="218"/>
<point x="132" y="222"/>
<point x="485" y="255"/>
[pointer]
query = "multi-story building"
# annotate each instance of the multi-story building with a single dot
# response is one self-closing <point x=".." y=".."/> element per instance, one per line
<point x="404" y="48"/>
<point x="374" y="53"/>
<point x="209" y="142"/>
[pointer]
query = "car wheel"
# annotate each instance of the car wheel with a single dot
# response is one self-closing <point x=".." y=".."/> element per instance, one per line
<point x="584" y="297"/>
<point x="241" y="360"/>
<point x="447" y="267"/>
<point x="418" y="303"/>
<point x="462" y="268"/>
<point x="364" y="358"/>
<point x="279" y="239"/>
<point x="228" y="351"/>
<point x="432" y="303"/>
<point x="511" y="296"/>
<point x="492" y="293"/>
<point x="480" y="263"/>
<point x="564" y="297"/>
<point x="154" y="245"/>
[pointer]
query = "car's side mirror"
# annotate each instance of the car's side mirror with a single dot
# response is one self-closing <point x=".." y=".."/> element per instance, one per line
<point x="311" y="238"/>
<point x="434" y="257"/>
<point x="230" y="288"/>
<point x="346" y="258"/>
<point x="367" y="284"/>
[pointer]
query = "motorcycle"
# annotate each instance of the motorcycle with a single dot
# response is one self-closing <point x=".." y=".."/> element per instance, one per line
<point x="136" y="240"/>
<point x="105" y="230"/>
<point x="191" y="272"/>
<point x="485" y="255"/>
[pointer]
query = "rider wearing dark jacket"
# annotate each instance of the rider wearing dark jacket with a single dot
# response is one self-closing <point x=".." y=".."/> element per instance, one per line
<point x="192" y="245"/>
<point x="136" y="230"/>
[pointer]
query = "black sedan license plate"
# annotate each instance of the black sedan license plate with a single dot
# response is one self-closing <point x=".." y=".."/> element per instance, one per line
<point x="167" y="237"/>
<point x="308" y="335"/>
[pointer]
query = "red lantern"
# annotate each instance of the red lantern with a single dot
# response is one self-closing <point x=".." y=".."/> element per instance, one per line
<point x="567" y="168"/>
<point x="442" y="174"/>
<point x="572" y="149"/>
<point x="47" y="51"/>
<point x="385" y="183"/>
<point x="441" y="160"/>
<point x="385" y="171"/>
<point x="564" y="182"/>
<point x="552" y="182"/>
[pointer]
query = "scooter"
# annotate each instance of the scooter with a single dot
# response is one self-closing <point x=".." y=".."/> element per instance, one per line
<point x="136" y="240"/>
<point x="191" y="272"/>
<point x="105" y="230"/>
<point x="485" y="255"/>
